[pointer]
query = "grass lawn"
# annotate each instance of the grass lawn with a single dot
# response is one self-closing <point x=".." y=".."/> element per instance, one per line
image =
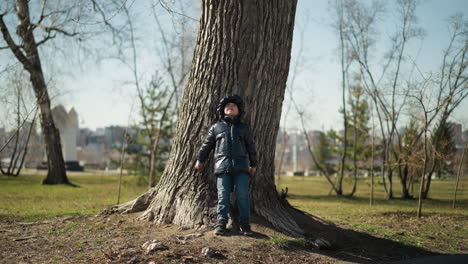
<point x="312" y="194"/>
<point x="441" y="228"/>
<point x="25" y="197"/>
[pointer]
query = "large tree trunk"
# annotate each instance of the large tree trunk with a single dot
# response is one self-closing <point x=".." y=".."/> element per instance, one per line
<point x="55" y="163"/>
<point x="243" y="47"/>
<point x="390" y="183"/>
<point x="31" y="62"/>
<point x="56" y="173"/>
<point x="404" y="179"/>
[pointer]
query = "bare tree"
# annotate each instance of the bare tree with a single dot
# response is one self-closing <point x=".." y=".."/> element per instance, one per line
<point x="387" y="98"/>
<point x="319" y="165"/>
<point x="338" y="7"/>
<point x="336" y="187"/>
<point x="15" y="105"/>
<point x="449" y="89"/>
<point x="452" y="84"/>
<point x="23" y="129"/>
<point x="298" y="62"/>
<point x="425" y="159"/>
<point x="359" y="119"/>
<point x="40" y="26"/>
<point x="175" y="51"/>
<point x="157" y="102"/>
<point x="27" y="53"/>
<point x="371" y="196"/>
<point x="429" y="104"/>
<point x="459" y="172"/>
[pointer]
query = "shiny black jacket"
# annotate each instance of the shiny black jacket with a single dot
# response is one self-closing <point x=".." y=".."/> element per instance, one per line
<point x="233" y="144"/>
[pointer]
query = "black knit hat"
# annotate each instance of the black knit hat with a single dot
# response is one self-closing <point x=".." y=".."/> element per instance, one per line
<point x="233" y="98"/>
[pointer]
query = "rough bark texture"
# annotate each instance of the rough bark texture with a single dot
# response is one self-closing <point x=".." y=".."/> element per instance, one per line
<point x="31" y="62"/>
<point x="404" y="180"/>
<point x="243" y="47"/>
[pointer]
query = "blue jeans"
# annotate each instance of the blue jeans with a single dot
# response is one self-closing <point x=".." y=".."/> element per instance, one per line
<point x="225" y="184"/>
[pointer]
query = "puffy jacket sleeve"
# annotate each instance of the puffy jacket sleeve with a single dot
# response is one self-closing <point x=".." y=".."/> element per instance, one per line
<point x="251" y="149"/>
<point x="208" y="144"/>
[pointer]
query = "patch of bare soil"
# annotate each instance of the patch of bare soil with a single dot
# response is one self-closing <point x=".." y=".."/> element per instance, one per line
<point x="120" y="239"/>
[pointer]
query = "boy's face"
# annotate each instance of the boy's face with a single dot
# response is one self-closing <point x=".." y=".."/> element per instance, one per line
<point x="231" y="110"/>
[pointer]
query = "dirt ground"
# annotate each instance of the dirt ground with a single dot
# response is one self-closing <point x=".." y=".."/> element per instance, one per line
<point x="119" y="239"/>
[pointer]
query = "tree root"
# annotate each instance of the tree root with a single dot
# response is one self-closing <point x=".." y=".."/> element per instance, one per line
<point x="137" y="205"/>
<point x="281" y="219"/>
<point x="280" y="215"/>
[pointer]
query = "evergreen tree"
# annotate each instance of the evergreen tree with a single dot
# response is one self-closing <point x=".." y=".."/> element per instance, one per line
<point x="358" y="124"/>
<point x="323" y="154"/>
<point x="155" y="131"/>
<point x="446" y="148"/>
<point x="357" y="129"/>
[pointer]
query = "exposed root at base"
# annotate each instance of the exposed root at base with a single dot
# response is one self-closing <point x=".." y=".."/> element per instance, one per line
<point x="138" y="205"/>
<point x="284" y="218"/>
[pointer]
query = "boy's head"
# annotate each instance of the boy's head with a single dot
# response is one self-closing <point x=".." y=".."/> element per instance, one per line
<point x="230" y="105"/>
<point x="231" y="109"/>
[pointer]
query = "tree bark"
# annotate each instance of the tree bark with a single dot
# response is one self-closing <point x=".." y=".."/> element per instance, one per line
<point x="435" y="151"/>
<point x="371" y="198"/>
<point x="459" y="174"/>
<point x="404" y="180"/>
<point x="419" y="213"/>
<point x="355" y="139"/>
<point x="56" y="165"/>
<point x="32" y="63"/>
<point x="243" y="47"/>
<point x="344" y="71"/>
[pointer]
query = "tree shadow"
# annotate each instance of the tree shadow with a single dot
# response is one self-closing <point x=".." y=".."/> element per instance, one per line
<point x="235" y="233"/>
<point x="325" y="238"/>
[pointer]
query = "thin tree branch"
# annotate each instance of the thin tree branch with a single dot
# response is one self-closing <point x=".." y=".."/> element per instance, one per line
<point x="44" y="40"/>
<point x="56" y="29"/>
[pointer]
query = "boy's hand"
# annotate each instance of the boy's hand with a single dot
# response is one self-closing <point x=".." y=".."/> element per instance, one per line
<point x="252" y="171"/>
<point x="199" y="166"/>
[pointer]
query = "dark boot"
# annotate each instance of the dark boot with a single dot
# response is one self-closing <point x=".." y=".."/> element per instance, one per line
<point x="245" y="228"/>
<point x="220" y="228"/>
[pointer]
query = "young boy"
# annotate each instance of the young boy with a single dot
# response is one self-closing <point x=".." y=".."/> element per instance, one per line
<point x="235" y="158"/>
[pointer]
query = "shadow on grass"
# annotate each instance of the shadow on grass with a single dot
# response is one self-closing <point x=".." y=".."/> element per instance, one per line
<point x="343" y="244"/>
<point x="69" y="184"/>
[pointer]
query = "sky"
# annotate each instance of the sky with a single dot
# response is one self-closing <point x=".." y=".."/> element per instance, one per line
<point x="101" y="99"/>
<point x="320" y="86"/>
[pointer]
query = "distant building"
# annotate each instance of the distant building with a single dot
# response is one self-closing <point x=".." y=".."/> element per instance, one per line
<point x="66" y="120"/>
<point x="114" y="135"/>
<point x="292" y="154"/>
<point x="97" y="149"/>
<point x="83" y="135"/>
<point x="314" y="136"/>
